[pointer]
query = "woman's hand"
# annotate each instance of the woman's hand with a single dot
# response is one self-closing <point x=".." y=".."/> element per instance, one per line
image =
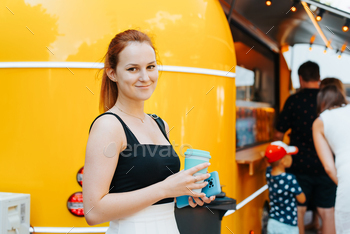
<point x="183" y="182"/>
<point x="199" y="200"/>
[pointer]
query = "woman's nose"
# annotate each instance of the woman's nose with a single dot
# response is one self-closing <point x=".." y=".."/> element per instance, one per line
<point x="144" y="75"/>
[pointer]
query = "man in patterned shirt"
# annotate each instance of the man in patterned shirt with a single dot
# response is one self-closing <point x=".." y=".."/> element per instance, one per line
<point x="298" y="114"/>
<point x="283" y="190"/>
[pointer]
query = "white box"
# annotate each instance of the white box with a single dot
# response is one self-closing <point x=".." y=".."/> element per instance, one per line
<point x="14" y="213"/>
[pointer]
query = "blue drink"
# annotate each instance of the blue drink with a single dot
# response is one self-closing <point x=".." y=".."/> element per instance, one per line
<point x="195" y="157"/>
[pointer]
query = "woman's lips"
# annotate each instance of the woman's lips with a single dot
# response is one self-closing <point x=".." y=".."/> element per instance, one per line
<point x="143" y="87"/>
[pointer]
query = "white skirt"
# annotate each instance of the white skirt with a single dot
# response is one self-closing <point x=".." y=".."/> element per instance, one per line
<point x="155" y="219"/>
<point x="342" y="222"/>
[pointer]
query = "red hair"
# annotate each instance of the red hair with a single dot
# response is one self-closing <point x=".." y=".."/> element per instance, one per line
<point x="109" y="89"/>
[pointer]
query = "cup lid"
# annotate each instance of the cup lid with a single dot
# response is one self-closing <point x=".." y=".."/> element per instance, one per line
<point x="195" y="152"/>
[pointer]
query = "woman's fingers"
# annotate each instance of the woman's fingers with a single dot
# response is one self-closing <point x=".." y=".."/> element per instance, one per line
<point x="208" y="199"/>
<point x="197" y="185"/>
<point x="198" y="168"/>
<point x="200" y="201"/>
<point x="193" y="187"/>
<point x="197" y="201"/>
<point x="190" y="201"/>
<point x="195" y="194"/>
<point x="203" y="176"/>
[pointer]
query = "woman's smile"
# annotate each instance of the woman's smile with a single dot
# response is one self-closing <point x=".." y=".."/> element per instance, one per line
<point x="143" y="87"/>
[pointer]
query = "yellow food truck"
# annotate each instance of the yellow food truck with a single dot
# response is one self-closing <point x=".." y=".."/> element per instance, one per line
<point x="223" y="79"/>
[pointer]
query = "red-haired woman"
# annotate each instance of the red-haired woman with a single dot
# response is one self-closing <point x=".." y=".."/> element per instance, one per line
<point x="331" y="133"/>
<point x="131" y="171"/>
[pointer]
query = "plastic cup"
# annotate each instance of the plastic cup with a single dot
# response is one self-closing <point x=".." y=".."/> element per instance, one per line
<point x="194" y="157"/>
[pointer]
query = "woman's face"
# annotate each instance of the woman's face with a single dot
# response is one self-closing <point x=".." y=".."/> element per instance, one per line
<point x="136" y="69"/>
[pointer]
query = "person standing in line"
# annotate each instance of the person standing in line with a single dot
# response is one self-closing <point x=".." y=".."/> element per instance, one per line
<point x="332" y="81"/>
<point x="324" y="82"/>
<point x="331" y="133"/>
<point x="298" y="114"/>
<point x="131" y="171"/>
<point x="284" y="189"/>
<point x="336" y="82"/>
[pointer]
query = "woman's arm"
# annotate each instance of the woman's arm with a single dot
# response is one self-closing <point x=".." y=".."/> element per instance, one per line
<point x="323" y="150"/>
<point x="102" y="153"/>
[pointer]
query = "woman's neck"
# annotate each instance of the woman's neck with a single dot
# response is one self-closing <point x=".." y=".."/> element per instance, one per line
<point x="135" y="108"/>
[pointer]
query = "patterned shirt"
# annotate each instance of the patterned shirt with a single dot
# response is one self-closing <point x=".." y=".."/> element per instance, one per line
<point x="282" y="191"/>
<point x="299" y="113"/>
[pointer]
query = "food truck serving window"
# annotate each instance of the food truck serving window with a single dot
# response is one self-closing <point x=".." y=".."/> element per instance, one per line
<point x="256" y="90"/>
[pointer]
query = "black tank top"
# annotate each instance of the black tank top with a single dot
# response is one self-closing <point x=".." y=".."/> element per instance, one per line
<point x="141" y="165"/>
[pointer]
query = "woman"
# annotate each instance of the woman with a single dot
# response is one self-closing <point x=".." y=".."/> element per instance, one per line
<point x="333" y="81"/>
<point x="128" y="179"/>
<point x="336" y="82"/>
<point x="331" y="133"/>
<point x="324" y="82"/>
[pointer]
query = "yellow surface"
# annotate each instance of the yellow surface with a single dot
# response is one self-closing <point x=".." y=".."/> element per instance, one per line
<point x="285" y="80"/>
<point x="47" y="112"/>
<point x="186" y="33"/>
<point x="249" y="217"/>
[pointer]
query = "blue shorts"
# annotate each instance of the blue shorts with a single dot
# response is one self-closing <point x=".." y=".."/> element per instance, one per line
<point x="276" y="227"/>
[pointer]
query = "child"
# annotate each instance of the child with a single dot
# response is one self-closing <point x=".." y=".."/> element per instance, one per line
<point x="283" y="189"/>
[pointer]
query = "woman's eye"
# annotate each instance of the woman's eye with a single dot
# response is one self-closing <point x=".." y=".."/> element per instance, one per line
<point x="151" y="67"/>
<point x="132" y="69"/>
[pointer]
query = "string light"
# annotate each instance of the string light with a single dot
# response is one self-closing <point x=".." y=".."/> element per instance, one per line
<point x="341" y="51"/>
<point x="320" y="15"/>
<point x="312" y="39"/>
<point x="327" y="45"/>
<point x="268" y="3"/>
<point x="338" y="51"/>
<point x="345" y="28"/>
<point x="293" y="8"/>
<point x="325" y="50"/>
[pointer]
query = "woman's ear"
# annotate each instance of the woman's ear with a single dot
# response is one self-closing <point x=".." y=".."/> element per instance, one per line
<point x="111" y="74"/>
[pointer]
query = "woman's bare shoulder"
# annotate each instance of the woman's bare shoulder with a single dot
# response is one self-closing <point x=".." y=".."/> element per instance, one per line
<point x="317" y="124"/>
<point x="108" y="126"/>
<point x="106" y="120"/>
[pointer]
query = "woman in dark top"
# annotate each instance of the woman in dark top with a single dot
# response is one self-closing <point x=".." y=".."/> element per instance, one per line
<point x="131" y="172"/>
